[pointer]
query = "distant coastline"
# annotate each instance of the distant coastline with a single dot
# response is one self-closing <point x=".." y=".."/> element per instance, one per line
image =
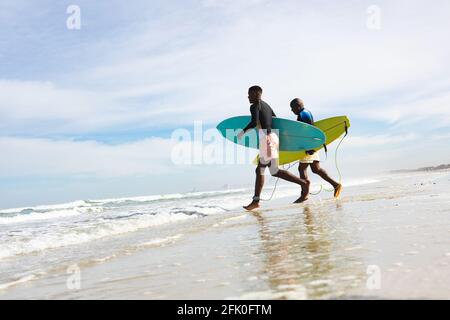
<point x="425" y="169"/>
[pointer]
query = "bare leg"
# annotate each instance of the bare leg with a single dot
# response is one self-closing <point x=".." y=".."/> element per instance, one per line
<point x="286" y="175"/>
<point x="276" y="172"/>
<point x="302" y="169"/>
<point x="259" y="184"/>
<point x="315" y="167"/>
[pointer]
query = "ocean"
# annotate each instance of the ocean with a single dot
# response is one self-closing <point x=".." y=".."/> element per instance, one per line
<point x="203" y="245"/>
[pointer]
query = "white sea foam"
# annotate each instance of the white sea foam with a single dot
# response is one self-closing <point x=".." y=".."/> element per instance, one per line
<point x="84" y="221"/>
<point x="50" y="215"/>
<point x="74" y="236"/>
<point x="7" y="285"/>
<point x="160" y="241"/>
<point x="174" y="196"/>
<point x="359" y="182"/>
<point x="43" y="208"/>
<point x="98" y="203"/>
<point x="93" y="204"/>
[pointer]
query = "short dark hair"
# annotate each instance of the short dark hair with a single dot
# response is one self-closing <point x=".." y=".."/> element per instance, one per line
<point x="256" y="88"/>
<point x="297" y="102"/>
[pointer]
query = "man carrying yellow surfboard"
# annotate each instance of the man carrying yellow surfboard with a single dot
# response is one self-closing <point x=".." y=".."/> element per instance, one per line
<point x="262" y="115"/>
<point x="312" y="158"/>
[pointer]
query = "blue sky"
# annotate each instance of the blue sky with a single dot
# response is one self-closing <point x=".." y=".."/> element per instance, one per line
<point x="89" y="113"/>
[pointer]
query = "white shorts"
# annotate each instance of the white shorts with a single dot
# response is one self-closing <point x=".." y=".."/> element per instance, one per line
<point x="268" y="146"/>
<point x="311" y="158"/>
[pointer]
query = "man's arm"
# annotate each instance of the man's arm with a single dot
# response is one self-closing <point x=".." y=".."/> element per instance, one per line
<point x="310" y="118"/>
<point x="255" y="118"/>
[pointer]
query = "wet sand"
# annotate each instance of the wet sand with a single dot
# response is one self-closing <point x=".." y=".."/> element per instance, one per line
<point x="398" y="229"/>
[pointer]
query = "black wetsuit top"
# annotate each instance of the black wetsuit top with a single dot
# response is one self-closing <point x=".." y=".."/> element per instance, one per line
<point x="261" y="113"/>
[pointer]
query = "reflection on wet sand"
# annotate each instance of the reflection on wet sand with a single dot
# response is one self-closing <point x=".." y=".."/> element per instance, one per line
<point x="298" y="254"/>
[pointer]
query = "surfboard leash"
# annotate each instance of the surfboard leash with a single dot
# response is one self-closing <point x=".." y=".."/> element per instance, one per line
<point x="321" y="185"/>
<point x="276" y="182"/>
<point x="336" y="164"/>
<point x="322" y="188"/>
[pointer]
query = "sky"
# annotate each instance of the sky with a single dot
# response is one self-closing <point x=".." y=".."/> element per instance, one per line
<point x="89" y="113"/>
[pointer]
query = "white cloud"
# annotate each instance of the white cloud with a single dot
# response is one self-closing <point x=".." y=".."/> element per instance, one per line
<point x="195" y="62"/>
<point x="24" y="104"/>
<point x="23" y="157"/>
<point x="44" y="157"/>
<point x="443" y="136"/>
<point x="43" y="108"/>
<point x="378" y="140"/>
<point x="324" y="55"/>
<point x="429" y="106"/>
<point x="201" y="70"/>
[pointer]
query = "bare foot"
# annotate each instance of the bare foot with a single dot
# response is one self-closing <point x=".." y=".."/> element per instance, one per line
<point x="305" y="194"/>
<point x="302" y="199"/>
<point x="337" y="190"/>
<point x="252" y="206"/>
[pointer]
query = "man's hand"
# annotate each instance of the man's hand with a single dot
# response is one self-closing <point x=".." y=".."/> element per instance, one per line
<point x="240" y="135"/>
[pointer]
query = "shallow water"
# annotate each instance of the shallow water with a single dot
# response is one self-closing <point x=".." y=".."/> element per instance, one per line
<point x="200" y="246"/>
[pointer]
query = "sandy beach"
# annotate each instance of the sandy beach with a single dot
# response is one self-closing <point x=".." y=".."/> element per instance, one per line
<point x="383" y="240"/>
<point x="134" y="133"/>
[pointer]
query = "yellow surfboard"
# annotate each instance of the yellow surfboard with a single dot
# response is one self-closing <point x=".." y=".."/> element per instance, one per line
<point x="332" y="127"/>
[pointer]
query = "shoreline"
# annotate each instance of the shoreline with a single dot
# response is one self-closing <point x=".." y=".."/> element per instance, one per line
<point x="320" y="250"/>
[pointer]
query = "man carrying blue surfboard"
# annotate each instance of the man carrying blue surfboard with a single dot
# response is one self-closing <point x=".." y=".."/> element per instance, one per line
<point x="262" y="115"/>
<point x="312" y="159"/>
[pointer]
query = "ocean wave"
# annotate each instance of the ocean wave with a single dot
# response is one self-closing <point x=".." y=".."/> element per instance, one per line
<point x="360" y="182"/>
<point x="159" y="241"/>
<point x="32" y="216"/>
<point x="86" y="233"/>
<point x="84" y="221"/>
<point x="154" y="198"/>
<point x="46" y="208"/>
<point x="106" y="203"/>
<point x="21" y="280"/>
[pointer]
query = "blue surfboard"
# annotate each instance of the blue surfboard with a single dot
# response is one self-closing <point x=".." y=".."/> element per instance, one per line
<point x="294" y="135"/>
